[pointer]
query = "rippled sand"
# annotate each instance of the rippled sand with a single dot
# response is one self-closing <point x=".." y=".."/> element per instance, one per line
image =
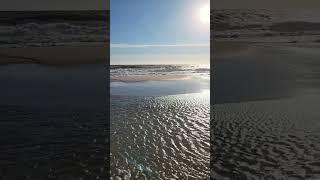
<point x="275" y="139"/>
<point x="160" y="137"/>
<point x="265" y="121"/>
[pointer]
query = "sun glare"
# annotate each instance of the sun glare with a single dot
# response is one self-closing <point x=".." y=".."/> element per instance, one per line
<point x="204" y="14"/>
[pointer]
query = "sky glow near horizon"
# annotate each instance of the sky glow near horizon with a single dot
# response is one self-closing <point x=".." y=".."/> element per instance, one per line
<point x="160" y="32"/>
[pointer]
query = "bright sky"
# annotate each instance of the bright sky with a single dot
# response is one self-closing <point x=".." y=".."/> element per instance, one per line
<point x="160" y="32"/>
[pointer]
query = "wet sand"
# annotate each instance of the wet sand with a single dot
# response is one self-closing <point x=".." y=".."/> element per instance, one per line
<point x="34" y="85"/>
<point x="265" y="122"/>
<point x="59" y="55"/>
<point x="160" y="127"/>
<point x="260" y="72"/>
<point x="160" y="137"/>
<point x="52" y="143"/>
<point x="52" y="113"/>
<point x="273" y="138"/>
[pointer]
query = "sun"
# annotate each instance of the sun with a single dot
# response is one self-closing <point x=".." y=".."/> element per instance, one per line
<point x="204" y="14"/>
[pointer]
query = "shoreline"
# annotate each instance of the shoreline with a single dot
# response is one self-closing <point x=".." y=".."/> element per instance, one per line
<point x="161" y="86"/>
<point x="55" y="56"/>
<point x="143" y="78"/>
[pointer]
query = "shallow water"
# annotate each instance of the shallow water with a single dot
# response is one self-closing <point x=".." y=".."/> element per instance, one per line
<point x="160" y="137"/>
<point x="159" y="88"/>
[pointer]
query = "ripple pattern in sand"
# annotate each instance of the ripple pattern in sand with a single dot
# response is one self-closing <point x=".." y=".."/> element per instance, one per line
<point x="160" y="137"/>
<point x="266" y="139"/>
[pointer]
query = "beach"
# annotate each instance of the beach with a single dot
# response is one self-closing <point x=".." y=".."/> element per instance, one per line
<point x="53" y="74"/>
<point x="160" y="126"/>
<point x="265" y="122"/>
<point x="53" y="118"/>
<point x="55" y="56"/>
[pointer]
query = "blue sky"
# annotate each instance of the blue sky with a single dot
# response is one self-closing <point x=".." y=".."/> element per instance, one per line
<point x="158" y="32"/>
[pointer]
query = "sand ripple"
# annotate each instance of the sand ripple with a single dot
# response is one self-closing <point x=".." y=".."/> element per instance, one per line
<point x="275" y="139"/>
<point x="160" y="137"/>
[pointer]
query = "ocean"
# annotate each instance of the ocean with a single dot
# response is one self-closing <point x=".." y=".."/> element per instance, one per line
<point x="199" y="70"/>
<point x="52" y="28"/>
<point x="266" y="25"/>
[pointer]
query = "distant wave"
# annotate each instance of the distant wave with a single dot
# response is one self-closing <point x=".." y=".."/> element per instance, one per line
<point x="21" y="17"/>
<point x="52" y="28"/>
<point x="127" y="70"/>
<point x="262" y="24"/>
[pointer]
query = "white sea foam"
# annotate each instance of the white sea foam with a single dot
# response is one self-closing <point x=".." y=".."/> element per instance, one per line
<point x="20" y="29"/>
<point x="202" y="71"/>
<point x="266" y="25"/>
